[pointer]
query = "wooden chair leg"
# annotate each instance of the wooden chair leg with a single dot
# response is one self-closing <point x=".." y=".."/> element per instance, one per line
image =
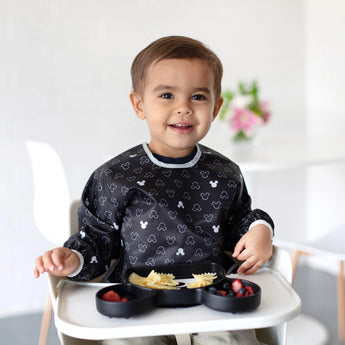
<point x="294" y="261"/>
<point x="47" y="313"/>
<point x="341" y="302"/>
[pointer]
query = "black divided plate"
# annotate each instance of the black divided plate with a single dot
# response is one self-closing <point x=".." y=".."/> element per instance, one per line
<point x="141" y="299"/>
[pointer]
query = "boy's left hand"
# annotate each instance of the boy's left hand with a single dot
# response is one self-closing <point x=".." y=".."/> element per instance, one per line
<point x="254" y="249"/>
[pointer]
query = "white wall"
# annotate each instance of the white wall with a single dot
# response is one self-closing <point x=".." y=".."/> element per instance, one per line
<point x="325" y="52"/>
<point x="64" y="81"/>
<point x="325" y="89"/>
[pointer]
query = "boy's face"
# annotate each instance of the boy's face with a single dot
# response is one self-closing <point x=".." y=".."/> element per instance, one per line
<point x="178" y="103"/>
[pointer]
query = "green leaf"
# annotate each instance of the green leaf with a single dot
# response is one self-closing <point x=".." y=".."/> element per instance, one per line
<point x="244" y="89"/>
<point x="228" y="97"/>
<point x="240" y="136"/>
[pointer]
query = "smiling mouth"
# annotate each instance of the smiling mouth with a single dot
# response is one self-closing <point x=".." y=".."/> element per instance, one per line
<point x="182" y="126"/>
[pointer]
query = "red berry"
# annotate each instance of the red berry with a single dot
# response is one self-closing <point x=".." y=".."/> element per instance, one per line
<point x="236" y="285"/>
<point x="250" y="290"/>
<point x="222" y="292"/>
<point x="111" y="296"/>
<point x="124" y="299"/>
<point x="239" y="294"/>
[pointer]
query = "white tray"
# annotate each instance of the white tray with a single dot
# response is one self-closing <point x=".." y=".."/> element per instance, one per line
<point x="78" y="317"/>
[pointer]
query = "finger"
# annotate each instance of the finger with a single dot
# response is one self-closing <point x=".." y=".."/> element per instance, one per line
<point x="36" y="273"/>
<point x="239" y="247"/>
<point x="244" y="255"/>
<point x="58" y="257"/>
<point x="250" y="267"/>
<point x="242" y="269"/>
<point x="246" y="265"/>
<point x="39" y="267"/>
<point x="48" y="262"/>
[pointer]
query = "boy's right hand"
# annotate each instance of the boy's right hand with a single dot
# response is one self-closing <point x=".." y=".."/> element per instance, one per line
<point x="59" y="261"/>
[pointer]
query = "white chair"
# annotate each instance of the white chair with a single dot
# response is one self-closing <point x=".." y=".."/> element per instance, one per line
<point x="51" y="205"/>
<point x="331" y="247"/>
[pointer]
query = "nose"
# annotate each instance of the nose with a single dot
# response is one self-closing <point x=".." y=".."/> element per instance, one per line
<point x="184" y="109"/>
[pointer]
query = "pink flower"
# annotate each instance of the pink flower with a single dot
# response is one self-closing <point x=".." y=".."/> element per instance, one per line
<point x="244" y="120"/>
<point x="264" y="111"/>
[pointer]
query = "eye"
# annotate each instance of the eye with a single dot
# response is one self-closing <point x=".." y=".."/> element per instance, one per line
<point x="167" y="95"/>
<point x="198" y="97"/>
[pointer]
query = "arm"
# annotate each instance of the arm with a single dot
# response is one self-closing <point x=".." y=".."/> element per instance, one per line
<point x="251" y="231"/>
<point x="98" y="239"/>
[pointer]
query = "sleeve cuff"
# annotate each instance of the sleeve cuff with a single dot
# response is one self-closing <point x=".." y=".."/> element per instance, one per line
<point x="81" y="258"/>
<point x="261" y="221"/>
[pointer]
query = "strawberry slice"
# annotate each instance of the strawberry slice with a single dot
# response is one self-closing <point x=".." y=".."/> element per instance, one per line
<point x="111" y="296"/>
<point x="236" y="285"/>
<point x="250" y="290"/>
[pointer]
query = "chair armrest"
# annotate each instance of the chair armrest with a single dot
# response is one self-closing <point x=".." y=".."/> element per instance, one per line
<point x="53" y="282"/>
<point x="281" y="261"/>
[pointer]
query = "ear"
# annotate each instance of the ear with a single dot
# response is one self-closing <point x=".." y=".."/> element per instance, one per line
<point x="217" y="107"/>
<point x="138" y="104"/>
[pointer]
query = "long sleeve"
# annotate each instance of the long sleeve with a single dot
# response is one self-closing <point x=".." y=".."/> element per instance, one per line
<point x="98" y="239"/>
<point x="241" y="216"/>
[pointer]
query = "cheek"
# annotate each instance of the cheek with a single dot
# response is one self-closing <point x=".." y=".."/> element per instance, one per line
<point x="207" y="126"/>
<point x="207" y="116"/>
<point x="154" y="123"/>
<point x="153" y="112"/>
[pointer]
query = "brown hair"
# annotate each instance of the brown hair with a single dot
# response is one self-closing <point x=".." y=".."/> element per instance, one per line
<point x="174" y="47"/>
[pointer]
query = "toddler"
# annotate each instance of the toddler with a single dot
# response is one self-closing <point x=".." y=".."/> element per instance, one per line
<point x="171" y="200"/>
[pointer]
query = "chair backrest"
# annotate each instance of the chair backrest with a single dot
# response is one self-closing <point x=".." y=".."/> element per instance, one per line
<point x="51" y="196"/>
<point x="74" y="216"/>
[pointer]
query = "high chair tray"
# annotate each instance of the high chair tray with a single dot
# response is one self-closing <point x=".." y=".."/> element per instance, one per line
<point x="76" y="314"/>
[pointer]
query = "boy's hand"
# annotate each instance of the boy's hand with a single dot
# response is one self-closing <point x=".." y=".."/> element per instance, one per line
<point x="59" y="261"/>
<point x="254" y="249"/>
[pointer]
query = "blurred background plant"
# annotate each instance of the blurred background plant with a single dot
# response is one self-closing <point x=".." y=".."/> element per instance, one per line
<point x="243" y="110"/>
